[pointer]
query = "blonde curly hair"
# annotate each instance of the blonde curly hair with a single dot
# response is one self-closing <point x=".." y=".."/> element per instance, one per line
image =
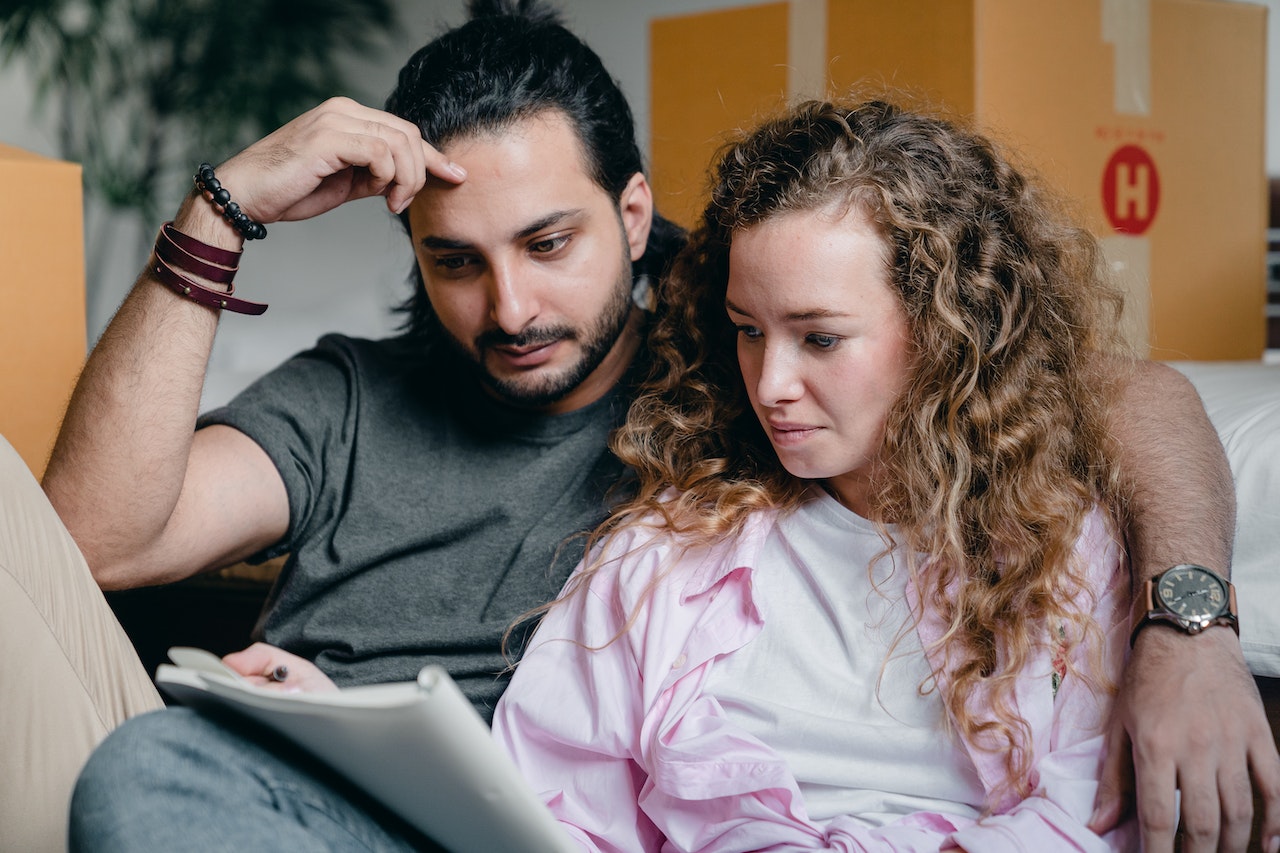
<point x="997" y="449"/>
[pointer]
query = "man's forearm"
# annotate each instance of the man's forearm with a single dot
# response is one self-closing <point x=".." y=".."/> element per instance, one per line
<point x="119" y="464"/>
<point x="1180" y="498"/>
<point x="1177" y="688"/>
<point x="146" y="500"/>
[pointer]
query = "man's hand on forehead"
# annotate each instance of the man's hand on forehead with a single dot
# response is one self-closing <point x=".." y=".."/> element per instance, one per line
<point x="332" y="154"/>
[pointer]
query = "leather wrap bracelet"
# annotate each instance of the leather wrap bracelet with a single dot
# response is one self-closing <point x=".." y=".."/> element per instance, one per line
<point x="200" y="249"/>
<point x="168" y="249"/>
<point x="202" y="295"/>
<point x="176" y="251"/>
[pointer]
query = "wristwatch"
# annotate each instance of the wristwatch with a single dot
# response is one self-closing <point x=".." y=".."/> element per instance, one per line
<point x="1187" y="597"/>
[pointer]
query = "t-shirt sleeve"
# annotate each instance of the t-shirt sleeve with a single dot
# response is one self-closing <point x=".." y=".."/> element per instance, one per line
<point x="302" y="414"/>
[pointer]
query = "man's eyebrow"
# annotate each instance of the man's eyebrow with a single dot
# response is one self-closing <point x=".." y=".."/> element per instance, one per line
<point x="438" y="243"/>
<point x="553" y="218"/>
<point x="442" y="243"/>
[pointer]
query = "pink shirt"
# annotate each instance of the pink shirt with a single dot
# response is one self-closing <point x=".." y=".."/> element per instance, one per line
<point x="631" y="754"/>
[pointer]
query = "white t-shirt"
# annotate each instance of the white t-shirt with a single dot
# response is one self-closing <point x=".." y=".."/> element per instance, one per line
<point x="833" y="680"/>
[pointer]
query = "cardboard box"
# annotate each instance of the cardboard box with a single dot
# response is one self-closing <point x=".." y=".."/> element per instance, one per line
<point x="42" y="326"/>
<point x="1149" y="114"/>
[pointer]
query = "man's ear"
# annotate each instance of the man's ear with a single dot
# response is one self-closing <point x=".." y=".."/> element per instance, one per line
<point x="635" y="206"/>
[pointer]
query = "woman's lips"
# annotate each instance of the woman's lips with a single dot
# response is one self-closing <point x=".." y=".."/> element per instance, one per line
<point x="790" y="434"/>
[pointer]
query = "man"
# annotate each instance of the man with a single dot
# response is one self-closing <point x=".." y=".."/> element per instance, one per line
<point x="423" y="486"/>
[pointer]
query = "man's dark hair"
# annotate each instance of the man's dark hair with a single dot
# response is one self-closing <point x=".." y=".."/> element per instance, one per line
<point x="512" y="60"/>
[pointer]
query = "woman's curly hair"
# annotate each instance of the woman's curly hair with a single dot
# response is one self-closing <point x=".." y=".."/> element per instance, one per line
<point x="997" y="449"/>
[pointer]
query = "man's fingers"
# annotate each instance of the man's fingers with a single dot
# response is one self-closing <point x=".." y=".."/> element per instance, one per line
<point x="414" y="159"/>
<point x="332" y="154"/>
<point x="1201" y="809"/>
<point x="1235" y="791"/>
<point x="255" y="660"/>
<point x="1264" y="763"/>
<point x="1114" y="800"/>
<point x="442" y="167"/>
<point x="401" y="170"/>
<point x="1154" y="787"/>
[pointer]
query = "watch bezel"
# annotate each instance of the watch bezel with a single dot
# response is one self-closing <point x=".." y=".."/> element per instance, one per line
<point x="1196" y="576"/>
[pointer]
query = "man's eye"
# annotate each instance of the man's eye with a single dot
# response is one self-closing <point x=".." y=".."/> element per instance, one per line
<point x="451" y="262"/>
<point x="549" y="245"/>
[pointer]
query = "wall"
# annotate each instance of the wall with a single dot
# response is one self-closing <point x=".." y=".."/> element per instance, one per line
<point x="346" y="269"/>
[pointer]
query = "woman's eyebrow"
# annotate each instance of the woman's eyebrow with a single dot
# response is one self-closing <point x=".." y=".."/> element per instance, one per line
<point x="806" y="314"/>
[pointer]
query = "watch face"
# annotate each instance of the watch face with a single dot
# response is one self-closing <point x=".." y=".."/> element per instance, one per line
<point x="1192" y="594"/>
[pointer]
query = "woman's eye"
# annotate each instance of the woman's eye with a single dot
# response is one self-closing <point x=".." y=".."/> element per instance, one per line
<point x="748" y="331"/>
<point x="823" y="341"/>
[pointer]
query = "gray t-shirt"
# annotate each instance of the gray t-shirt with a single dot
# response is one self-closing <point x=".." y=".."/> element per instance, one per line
<point x="424" y="515"/>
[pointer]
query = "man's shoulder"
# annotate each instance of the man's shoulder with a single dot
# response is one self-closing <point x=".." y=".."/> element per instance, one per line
<point x="346" y="364"/>
<point x="336" y="373"/>
<point x="390" y="351"/>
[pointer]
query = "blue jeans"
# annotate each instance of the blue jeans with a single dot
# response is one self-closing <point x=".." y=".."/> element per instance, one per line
<point x="178" y="780"/>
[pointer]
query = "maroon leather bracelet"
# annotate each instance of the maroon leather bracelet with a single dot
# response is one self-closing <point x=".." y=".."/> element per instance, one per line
<point x="202" y="250"/>
<point x="202" y="295"/>
<point x="172" y="253"/>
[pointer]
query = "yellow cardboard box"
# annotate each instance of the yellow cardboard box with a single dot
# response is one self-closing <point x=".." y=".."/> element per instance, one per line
<point x="42" y="324"/>
<point x="1148" y="113"/>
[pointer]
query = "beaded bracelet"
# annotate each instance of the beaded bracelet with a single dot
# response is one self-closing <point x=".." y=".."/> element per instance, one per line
<point x="208" y="183"/>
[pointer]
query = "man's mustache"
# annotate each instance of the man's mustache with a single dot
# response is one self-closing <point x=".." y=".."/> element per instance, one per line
<point x="527" y="338"/>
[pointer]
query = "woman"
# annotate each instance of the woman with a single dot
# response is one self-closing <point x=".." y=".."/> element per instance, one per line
<point x="867" y="594"/>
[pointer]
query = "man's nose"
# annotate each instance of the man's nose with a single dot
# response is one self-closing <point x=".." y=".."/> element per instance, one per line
<point x="512" y="302"/>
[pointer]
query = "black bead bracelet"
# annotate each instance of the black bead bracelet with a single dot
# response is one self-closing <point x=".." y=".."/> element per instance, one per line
<point x="208" y="183"/>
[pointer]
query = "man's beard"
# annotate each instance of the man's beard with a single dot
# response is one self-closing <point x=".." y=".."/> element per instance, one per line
<point x="596" y="342"/>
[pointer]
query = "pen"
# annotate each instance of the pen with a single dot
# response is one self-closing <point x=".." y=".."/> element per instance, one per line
<point x="278" y="674"/>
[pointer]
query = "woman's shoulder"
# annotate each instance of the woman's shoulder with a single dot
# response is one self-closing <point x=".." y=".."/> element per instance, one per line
<point x="1100" y="558"/>
<point x="649" y="551"/>
<point x="1100" y="539"/>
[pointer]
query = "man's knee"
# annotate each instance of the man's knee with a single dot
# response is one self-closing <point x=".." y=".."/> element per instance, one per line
<point x="176" y="779"/>
<point x="144" y="767"/>
<point x="133" y="758"/>
<point x="160" y="751"/>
